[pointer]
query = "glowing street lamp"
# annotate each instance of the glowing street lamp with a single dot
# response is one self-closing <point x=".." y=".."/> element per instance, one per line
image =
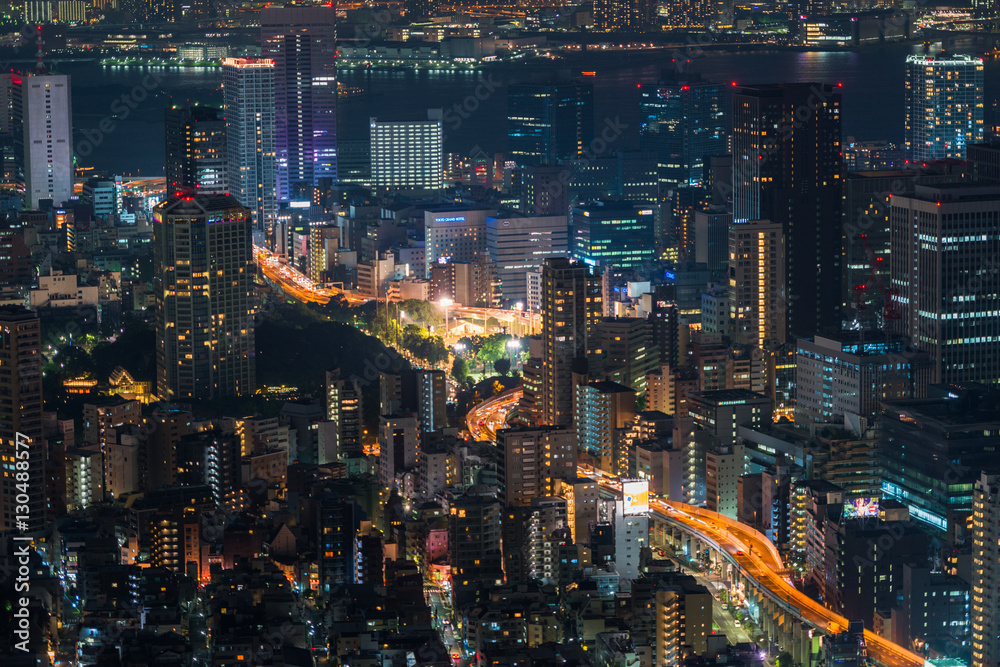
<point x="445" y="302"/>
<point x="512" y="345"/>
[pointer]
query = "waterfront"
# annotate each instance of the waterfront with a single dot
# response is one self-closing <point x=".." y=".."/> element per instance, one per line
<point x="872" y="81"/>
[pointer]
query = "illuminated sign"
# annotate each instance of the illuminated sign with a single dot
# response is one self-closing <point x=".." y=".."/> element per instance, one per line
<point x="860" y="508"/>
<point x="635" y="494"/>
<point x="459" y="218"/>
<point x="647" y="211"/>
<point x="299" y="204"/>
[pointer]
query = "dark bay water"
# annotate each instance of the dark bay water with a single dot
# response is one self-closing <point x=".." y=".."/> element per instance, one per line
<point x="872" y="87"/>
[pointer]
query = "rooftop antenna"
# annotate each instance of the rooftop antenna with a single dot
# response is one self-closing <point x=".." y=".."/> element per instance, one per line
<point x="40" y="66"/>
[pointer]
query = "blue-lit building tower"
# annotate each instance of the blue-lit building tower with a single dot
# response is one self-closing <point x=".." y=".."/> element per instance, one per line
<point x="684" y="121"/>
<point x="613" y="233"/>
<point x="548" y="122"/>
<point x="944" y="106"/>
<point x="302" y="41"/>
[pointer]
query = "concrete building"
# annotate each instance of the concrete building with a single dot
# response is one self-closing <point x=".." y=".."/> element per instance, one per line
<point x="408" y="155"/>
<point x="986" y="569"/>
<point x="203" y="265"/>
<point x="43" y="136"/>
<point x="518" y="245"/>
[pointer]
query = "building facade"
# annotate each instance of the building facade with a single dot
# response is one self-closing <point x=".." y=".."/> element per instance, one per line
<point x="944" y="106"/>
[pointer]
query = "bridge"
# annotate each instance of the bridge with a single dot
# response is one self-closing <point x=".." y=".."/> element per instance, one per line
<point x="750" y="561"/>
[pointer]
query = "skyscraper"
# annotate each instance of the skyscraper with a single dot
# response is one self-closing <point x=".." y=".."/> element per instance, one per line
<point x="408" y="154"/>
<point x="572" y="305"/>
<point x="612" y="233"/>
<point x="202" y="263"/>
<point x="684" y="120"/>
<point x="43" y="136"/>
<point x="757" y="282"/>
<point x="302" y="42"/>
<point x="248" y="91"/>
<point x="945" y="292"/>
<point x="787" y="169"/>
<point x="986" y="572"/>
<point x="944" y="106"/>
<point x="196" y="150"/>
<point x="548" y="122"/>
<point x="344" y="406"/>
<point x="21" y="413"/>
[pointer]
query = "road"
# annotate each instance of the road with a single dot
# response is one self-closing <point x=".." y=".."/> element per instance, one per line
<point x="297" y="284"/>
<point x="437" y="600"/>
<point x="759" y="559"/>
<point x="484" y="420"/>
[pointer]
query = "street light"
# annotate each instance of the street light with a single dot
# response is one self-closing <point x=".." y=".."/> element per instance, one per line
<point x="445" y="302"/>
<point x="513" y="344"/>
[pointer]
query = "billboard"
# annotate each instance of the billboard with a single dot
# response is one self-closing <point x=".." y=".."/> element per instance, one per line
<point x="860" y="508"/>
<point x="635" y="494"/>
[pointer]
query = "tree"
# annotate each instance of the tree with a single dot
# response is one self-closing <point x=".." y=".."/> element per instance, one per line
<point x="502" y="365"/>
<point x="493" y="347"/>
<point x="460" y="370"/>
<point x="422" y="312"/>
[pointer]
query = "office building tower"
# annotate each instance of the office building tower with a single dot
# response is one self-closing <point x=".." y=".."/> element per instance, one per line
<point x="629" y="352"/>
<point x="612" y="233"/>
<point x="212" y="458"/>
<point x="399" y="446"/>
<point x="324" y="246"/>
<point x="602" y="410"/>
<point x="21" y="421"/>
<point x="302" y="42"/>
<point x="104" y="195"/>
<point x="757" y="299"/>
<point x="985" y="571"/>
<point x="624" y="15"/>
<point x="787" y="169"/>
<point x="196" y="150"/>
<point x="711" y="238"/>
<point x="454" y="235"/>
<point x="474" y="545"/>
<point x="932" y="450"/>
<point x="841" y="375"/>
<point x="421" y="392"/>
<point x="548" y="122"/>
<point x="43" y="136"/>
<point x="572" y="305"/>
<point x="202" y="267"/>
<point x="248" y="94"/>
<point x="684" y="120"/>
<point x="344" y="407"/>
<point x="408" y="155"/>
<point x="530" y="458"/>
<point x="867" y="202"/>
<point x="946" y="236"/>
<point x="519" y="244"/>
<point x="545" y="190"/>
<point x="944" y="106"/>
<point x="337" y="521"/>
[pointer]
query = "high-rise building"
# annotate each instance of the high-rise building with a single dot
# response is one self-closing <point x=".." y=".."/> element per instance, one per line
<point x="944" y="106"/>
<point x="683" y="119"/>
<point x="248" y="94"/>
<point x="942" y="239"/>
<point x="787" y="169"/>
<point x="344" y="406"/>
<point x="757" y="282"/>
<point x="408" y="154"/>
<point x="602" y="410"/>
<point x="104" y="195"/>
<point x="985" y="571"/>
<point x="420" y="392"/>
<point x="203" y="266"/>
<point x="683" y="619"/>
<point x="454" y="235"/>
<point x="932" y="450"/>
<point x="548" y="122"/>
<point x="613" y="233"/>
<point x="629" y="352"/>
<point x="572" y="305"/>
<point x="624" y="15"/>
<point x="21" y="420"/>
<point x="196" y="150"/>
<point x="302" y="42"/>
<point x="474" y="544"/>
<point x="530" y="458"/>
<point x="840" y="375"/>
<point x="518" y="244"/>
<point x="43" y="136"/>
